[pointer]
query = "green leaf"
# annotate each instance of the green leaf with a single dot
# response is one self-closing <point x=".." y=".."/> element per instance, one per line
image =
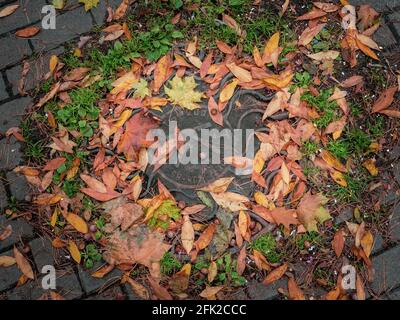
<point x="177" y="35"/>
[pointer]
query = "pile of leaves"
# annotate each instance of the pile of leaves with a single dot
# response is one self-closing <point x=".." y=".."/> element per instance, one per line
<point x="90" y="189"/>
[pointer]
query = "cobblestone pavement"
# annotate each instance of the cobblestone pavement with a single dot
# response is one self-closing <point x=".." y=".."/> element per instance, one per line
<point x="76" y="283"/>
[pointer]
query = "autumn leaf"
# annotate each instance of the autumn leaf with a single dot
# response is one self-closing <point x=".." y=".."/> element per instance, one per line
<point x="74" y="251"/>
<point x="385" y="100"/>
<point x="284" y="216"/>
<point x="77" y="222"/>
<point x="338" y="242"/>
<point x="309" y="33"/>
<point x="371" y="167"/>
<point x="242" y="74"/>
<point x="367" y="242"/>
<point x="179" y="282"/>
<point x="136" y="130"/>
<point x="27" y="32"/>
<point x="210" y="292"/>
<point x="310" y="211"/>
<point x="275" y="274"/>
<point x="137" y="287"/>
<point x="89" y="4"/>
<point x="160" y="292"/>
<point x="214" y="112"/>
<point x="212" y="271"/>
<point x="23" y="264"/>
<point x="187" y="236"/>
<point x="125" y="215"/>
<point x="205" y="238"/>
<point x="182" y="93"/>
<point x="218" y="186"/>
<point x="137" y="245"/>
<point x="161" y="72"/>
<point x="6" y="11"/>
<point x="241" y="261"/>
<point x="228" y="90"/>
<point x="6" y="261"/>
<point x="230" y="200"/>
<point x="295" y="293"/>
<point x="313" y="14"/>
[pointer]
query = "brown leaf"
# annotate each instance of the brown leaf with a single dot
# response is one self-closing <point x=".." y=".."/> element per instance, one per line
<point x="242" y="74"/>
<point x="6" y="11"/>
<point x="360" y="291"/>
<point x="205" y="238"/>
<point x="338" y="242"/>
<point x="179" y="282"/>
<point x="210" y="292"/>
<point x="309" y="33"/>
<point x="187" y="236"/>
<point x="241" y="261"/>
<point x="231" y="23"/>
<point x="212" y="271"/>
<point x="54" y="164"/>
<point x="159" y="291"/>
<point x="206" y="65"/>
<point x="310" y="211"/>
<point x="27" y="32"/>
<point x="327" y="7"/>
<point x="23" y="264"/>
<point x="50" y="95"/>
<point x="101" y="272"/>
<point x="121" y="10"/>
<point x="137" y="288"/>
<point x="126" y="215"/>
<point x="214" y="112"/>
<point x="230" y="200"/>
<point x="6" y="232"/>
<point x="313" y="14"/>
<point x="218" y="186"/>
<point x="385" y="100"/>
<point x="161" y="72"/>
<point x="367" y="242"/>
<point x="285" y="217"/>
<point x="275" y="274"/>
<point x="295" y="293"/>
<point x="352" y="81"/>
<point x="367" y="15"/>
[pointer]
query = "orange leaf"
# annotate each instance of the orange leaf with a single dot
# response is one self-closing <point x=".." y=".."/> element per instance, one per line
<point x="74" y="251"/>
<point x="23" y="264"/>
<point x="27" y="32"/>
<point x="205" y="238"/>
<point x="54" y="164"/>
<point x="385" y="99"/>
<point x="77" y="222"/>
<point x="295" y="293"/>
<point x="275" y="274"/>
<point x="338" y="242"/>
<point x="242" y="74"/>
<point x="214" y="112"/>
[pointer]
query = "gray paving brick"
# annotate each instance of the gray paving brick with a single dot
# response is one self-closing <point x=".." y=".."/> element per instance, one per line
<point x="3" y="92"/>
<point x="3" y="197"/>
<point x="68" y="26"/>
<point x="18" y="185"/>
<point x="67" y="285"/>
<point x="20" y="230"/>
<point x="394" y="19"/>
<point x="12" y="113"/>
<point x="395" y="295"/>
<point x="38" y="68"/>
<point x="13" y="49"/>
<point x="379" y="5"/>
<point x="10" y="154"/>
<point x="42" y="252"/>
<point x="386" y="267"/>
<point x="9" y="275"/>
<point x="28" y="12"/>
<point x="384" y="37"/>
<point x="90" y="284"/>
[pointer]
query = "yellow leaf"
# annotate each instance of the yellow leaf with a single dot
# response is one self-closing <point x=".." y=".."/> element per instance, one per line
<point x="23" y="264"/>
<point x="339" y="178"/>
<point x="271" y="45"/>
<point x="54" y="217"/>
<point x="182" y="93"/>
<point x="78" y="52"/>
<point x="74" y="251"/>
<point x="332" y="161"/>
<point x="53" y="63"/>
<point x="262" y="200"/>
<point x="89" y="4"/>
<point x="124" y="83"/>
<point x="371" y="167"/>
<point x="77" y="222"/>
<point x="228" y="90"/>
<point x="242" y="74"/>
<point x="243" y="226"/>
<point x="6" y="261"/>
<point x="212" y="271"/>
<point x="125" y="115"/>
<point x="367" y="242"/>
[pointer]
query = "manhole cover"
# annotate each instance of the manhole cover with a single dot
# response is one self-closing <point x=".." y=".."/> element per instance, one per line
<point x="241" y="119"/>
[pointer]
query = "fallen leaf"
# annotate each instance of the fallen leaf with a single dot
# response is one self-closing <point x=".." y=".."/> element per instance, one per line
<point x="187" y="235"/>
<point x="295" y="293"/>
<point x="182" y="92"/>
<point x="179" y="282"/>
<point x="371" y="167"/>
<point x="385" y="100"/>
<point x="310" y="211"/>
<point x="210" y="292"/>
<point x="230" y="200"/>
<point x="241" y="261"/>
<point x="6" y="232"/>
<point x="338" y="242"/>
<point x="74" y="251"/>
<point x="218" y="186"/>
<point x="159" y="291"/>
<point x="23" y="264"/>
<point x="6" y="261"/>
<point x="309" y="33"/>
<point x="313" y="14"/>
<point x="77" y="222"/>
<point x="275" y="274"/>
<point x="228" y="90"/>
<point x="242" y="74"/>
<point x="137" y="288"/>
<point x="212" y="271"/>
<point x="27" y="32"/>
<point x="367" y="242"/>
<point x="89" y="4"/>
<point x="205" y="238"/>
<point x="8" y="10"/>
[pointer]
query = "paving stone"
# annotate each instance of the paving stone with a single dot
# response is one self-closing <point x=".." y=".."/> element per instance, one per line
<point x="379" y="244"/>
<point x="395" y="295"/>
<point x="3" y="92"/>
<point x="20" y="230"/>
<point x="69" y="26"/>
<point x="10" y="154"/>
<point x="28" y="12"/>
<point x="90" y="284"/>
<point x="9" y="275"/>
<point x="13" y="49"/>
<point x="18" y="185"/>
<point x="394" y="19"/>
<point x="3" y="197"/>
<point x="12" y="113"/>
<point x="42" y="252"/>
<point x="67" y="285"/>
<point x="38" y="68"/>
<point x="386" y="267"/>
<point x="113" y="293"/>
<point x="379" y="5"/>
<point x="384" y="37"/>
<point x="258" y="291"/>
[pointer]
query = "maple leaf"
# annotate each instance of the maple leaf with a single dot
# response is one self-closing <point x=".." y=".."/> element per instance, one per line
<point x="182" y="92"/>
<point x="89" y="4"/>
<point x="135" y="133"/>
<point x="310" y="211"/>
<point x="141" y="89"/>
<point x="137" y="245"/>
